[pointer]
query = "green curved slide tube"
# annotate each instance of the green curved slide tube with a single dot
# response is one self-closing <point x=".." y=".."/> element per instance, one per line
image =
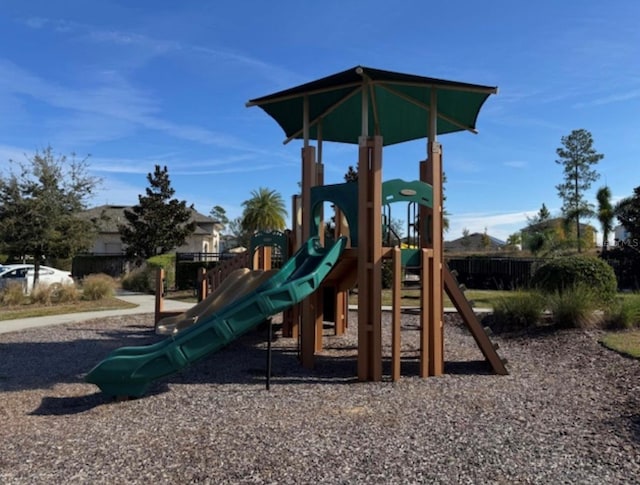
<point x="129" y="371"/>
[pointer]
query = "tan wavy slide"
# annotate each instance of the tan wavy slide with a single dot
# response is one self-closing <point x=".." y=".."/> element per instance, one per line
<point x="239" y="283"/>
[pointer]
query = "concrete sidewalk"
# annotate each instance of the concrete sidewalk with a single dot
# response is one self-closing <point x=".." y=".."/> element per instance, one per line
<point x="146" y="304"/>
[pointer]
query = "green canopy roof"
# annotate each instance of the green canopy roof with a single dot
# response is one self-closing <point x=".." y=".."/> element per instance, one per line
<point x="398" y="106"/>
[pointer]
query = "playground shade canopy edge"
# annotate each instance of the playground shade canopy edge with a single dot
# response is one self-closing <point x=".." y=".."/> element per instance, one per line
<point x="398" y="106"/>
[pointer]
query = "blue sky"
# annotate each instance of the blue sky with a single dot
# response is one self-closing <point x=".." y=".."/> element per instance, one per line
<point x="139" y="83"/>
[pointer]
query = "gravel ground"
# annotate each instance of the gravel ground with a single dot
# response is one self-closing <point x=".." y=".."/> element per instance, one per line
<point x="567" y="413"/>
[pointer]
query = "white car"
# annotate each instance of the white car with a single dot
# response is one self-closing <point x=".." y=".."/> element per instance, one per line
<point x="24" y="274"/>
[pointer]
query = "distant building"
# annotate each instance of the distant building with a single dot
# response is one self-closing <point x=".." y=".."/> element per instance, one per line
<point x="474" y="242"/>
<point x="205" y="239"/>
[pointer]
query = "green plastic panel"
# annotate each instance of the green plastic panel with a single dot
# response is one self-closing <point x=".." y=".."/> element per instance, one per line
<point x="129" y="371"/>
<point x="345" y="196"/>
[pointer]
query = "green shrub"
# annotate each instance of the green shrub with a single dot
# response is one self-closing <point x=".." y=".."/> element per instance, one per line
<point x="12" y="294"/>
<point x="387" y="274"/>
<point x="518" y="311"/>
<point x="566" y="273"/>
<point x="97" y="286"/>
<point x="166" y="262"/>
<point x="623" y="314"/>
<point x="141" y="280"/>
<point x="575" y="307"/>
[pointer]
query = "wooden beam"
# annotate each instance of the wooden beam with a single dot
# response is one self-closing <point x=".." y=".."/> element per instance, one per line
<point x="426" y="294"/>
<point x="436" y="313"/>
<point x="473" y="324"/>
<point x="370" y="258"/>
<point x="396" y="345"/>
<point x="307" y="326"/>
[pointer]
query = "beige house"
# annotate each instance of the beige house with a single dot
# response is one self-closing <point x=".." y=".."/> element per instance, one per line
<point x="205" y="239"/>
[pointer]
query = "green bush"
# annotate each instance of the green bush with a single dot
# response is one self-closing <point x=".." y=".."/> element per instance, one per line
<point x="566" y="273"/>
<point x="97" y="286"/>
<point x="623" y="314"/>
<point x="518" y="311"/>
<point x="575" y="307"/>
<point x="140" y="280"/>
<point x="166" y="262"/>
<point x="387" y="274"/>
<point x="12" y="294"/>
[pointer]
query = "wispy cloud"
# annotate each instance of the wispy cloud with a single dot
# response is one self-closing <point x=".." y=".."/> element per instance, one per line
<point x="465" y="166"/>
<point x="118" y="101"/>
<point x="515" y="163"/>
<point x="243" y="163"/>
<point x="151" y="47"/>
<point x="627" y="95"/>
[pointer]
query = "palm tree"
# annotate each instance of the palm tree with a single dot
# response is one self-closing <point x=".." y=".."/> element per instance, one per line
<point x="605" y="214"/>
<point x="264" y="211"/>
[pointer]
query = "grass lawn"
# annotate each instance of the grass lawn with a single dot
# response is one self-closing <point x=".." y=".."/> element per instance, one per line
<point x="627" y="343"/>
<point x="37" y="310"/>
<point x="481" y="298"/>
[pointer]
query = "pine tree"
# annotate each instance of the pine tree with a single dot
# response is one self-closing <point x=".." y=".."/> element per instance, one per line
<point x="158" y="224"/>
<point x="577" y="156"/>
<point x="220" y="215"/>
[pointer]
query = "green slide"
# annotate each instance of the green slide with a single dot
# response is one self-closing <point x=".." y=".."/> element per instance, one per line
<point x="129" y="371"/>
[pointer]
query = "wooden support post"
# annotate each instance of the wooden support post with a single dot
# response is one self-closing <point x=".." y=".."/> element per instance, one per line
<point x="308" y="318"/>
<point x="341" y="297"/>
<point x="396" y="347"/>
<point x="431" y="172"/>
<point x="436" y="328"/>
<point x="159" y="307"/>
<point x="340" y="303"/>
<point x="203" y="289"/>
<point x="370" y="259"/>
<point x="426" y="294"/>
<point x="317" y="302"/>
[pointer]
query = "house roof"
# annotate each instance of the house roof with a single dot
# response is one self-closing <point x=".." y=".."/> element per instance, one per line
<point x="110" y="216"/>
<point x="473" y="242"/>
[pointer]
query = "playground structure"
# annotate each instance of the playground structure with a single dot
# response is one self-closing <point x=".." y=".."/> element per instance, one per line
<point x="352" y="259"/>
<point x="128" y="371"/>
<point x="373" y="108"/>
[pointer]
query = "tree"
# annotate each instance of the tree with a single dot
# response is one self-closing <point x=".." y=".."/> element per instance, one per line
<point x="264" y="211"/>
<point x="577" y="156"/>
<point x="485" y="239"/>
<point x="540" y="233"/>
<point x="543" y="214"/>
<point x="514" y="240"/>
<point x="158" y="224"/>
<point x="628" y="213"/>
<point x="466" y="241"/>
<point x="220" y="215"/>
<point x="241" y="236"/>
<point x="351" y="175"/>
<point x="40" y="205"/>
<point x="605" y="214"/>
